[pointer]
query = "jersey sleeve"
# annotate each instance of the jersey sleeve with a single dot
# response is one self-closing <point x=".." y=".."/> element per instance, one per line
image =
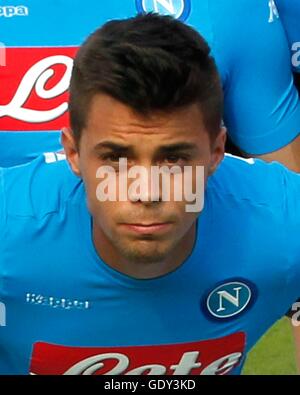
<point x="262" y="108"/>
<point x="291" y="185"/>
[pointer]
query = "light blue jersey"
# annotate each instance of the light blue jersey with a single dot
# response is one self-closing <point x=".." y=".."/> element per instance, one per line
<point x="262" y="110"/>
<point x="68" y="312"/>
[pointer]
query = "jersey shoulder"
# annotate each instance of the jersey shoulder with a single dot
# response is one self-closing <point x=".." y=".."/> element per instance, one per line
<point x="250" y="180"/>
<point x="39" y="187"/>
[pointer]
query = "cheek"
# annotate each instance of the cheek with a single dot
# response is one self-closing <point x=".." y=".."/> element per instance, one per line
<point x="96" y="208"/>
<point x="91" y="191"/>
<point x="89" y="175"/>
<point x="103" y="214"/>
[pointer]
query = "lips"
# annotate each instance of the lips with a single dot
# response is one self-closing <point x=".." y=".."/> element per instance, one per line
<point x="151" y="224"/>
<point x="148" y="228"/>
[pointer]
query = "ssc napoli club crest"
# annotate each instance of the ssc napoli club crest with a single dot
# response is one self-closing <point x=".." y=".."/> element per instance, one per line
<point x="229" y="299"/>
<point x="179" y="9"/>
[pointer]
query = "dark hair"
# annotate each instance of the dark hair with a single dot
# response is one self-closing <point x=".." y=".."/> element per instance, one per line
<point x="150" y="63"/>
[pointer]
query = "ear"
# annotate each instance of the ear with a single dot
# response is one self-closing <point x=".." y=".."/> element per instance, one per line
<point x="71" y="150"/>
<point x="218" y="150"/>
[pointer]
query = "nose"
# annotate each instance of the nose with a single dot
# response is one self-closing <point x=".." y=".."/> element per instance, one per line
<point x="143" y="187"/>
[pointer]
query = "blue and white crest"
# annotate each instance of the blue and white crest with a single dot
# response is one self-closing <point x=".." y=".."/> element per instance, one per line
<point x="179" y="9"/>
<point x="229" y="299"/>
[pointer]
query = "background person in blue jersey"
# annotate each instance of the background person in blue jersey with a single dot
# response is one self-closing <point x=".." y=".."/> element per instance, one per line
<point x="262" y="111"/>
<point x="289" y="11"/>
<point x="143" y="286"/>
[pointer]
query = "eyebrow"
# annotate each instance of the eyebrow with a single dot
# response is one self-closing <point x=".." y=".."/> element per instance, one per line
<point x="178" y="147"/>
<point x="182" y="146"/>
<point x="113" y="146"/>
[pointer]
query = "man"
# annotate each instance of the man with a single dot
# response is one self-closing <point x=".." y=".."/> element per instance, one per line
<point x="290" y="15"/>
<point x="262" y="109"/>
<point x="289" y="12"/>
<point x="144" y="284"/>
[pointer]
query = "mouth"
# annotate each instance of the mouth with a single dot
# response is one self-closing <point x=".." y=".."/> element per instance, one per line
<point x="148" y="228"/>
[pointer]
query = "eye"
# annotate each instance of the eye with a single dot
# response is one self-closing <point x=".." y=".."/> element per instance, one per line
<point x="175" y="159"/>
<point x="111" y="157"/>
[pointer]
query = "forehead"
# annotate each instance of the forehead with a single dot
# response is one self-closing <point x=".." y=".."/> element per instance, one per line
<point x="108" y="118"/>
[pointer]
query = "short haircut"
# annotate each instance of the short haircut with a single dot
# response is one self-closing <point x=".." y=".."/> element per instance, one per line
<point x="150" y="63"/>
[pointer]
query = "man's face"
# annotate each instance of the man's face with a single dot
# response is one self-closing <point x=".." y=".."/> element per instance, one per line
<point x="141" y="231"/>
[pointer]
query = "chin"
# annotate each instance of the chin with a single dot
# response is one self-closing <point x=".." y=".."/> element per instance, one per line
<point x="142" y="256"/>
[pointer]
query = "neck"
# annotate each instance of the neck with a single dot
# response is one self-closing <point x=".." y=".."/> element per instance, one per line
<point x="108" y="253"/>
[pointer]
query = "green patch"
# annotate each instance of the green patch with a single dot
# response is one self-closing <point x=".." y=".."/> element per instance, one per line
<point x="274" y="354"/>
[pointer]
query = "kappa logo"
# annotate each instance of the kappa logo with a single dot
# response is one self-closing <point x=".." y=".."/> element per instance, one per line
<point x="57" y="303"/>
<point x="51" y="157"/>
<point x="274" y="14"/>
<point x="179" y="9"/>
<point x="229" y="299"/>
<point x="10" y="11"/>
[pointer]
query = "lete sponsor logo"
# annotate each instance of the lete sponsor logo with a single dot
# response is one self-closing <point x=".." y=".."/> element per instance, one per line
<point x="209" y="357"/>
<point x="34" y="96"/>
